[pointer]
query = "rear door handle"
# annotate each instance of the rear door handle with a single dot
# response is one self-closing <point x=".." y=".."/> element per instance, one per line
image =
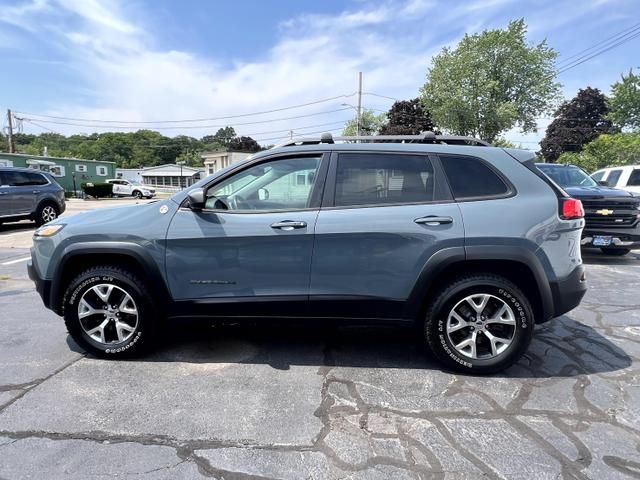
<point x="432" y="220"/>
<point x="288" y="225"/>
<point x="36" y="191"/>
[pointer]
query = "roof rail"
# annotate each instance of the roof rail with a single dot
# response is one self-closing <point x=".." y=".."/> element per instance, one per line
<point x="424" y="137"/>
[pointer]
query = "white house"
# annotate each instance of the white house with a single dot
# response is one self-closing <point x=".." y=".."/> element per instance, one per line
<point x="214" y="161"/>
<point x="170" y="175"/>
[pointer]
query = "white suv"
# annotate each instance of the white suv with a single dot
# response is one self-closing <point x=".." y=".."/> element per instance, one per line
<point x="626" y="178"/>
<point x="128" y="187"/>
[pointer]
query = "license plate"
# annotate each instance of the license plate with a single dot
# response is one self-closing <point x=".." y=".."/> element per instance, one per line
<point x="601" y="241"/>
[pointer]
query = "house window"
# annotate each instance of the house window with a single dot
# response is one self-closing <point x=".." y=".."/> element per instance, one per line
<point x="301" y="179"/>
<point x="81" y="168"/>
<point x="56" y="170"/>
<point x="102" y="171"/>
<point x="6" y="163"/>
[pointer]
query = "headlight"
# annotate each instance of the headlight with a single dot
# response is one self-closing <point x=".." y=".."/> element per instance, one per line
<point x="48" y="230"/>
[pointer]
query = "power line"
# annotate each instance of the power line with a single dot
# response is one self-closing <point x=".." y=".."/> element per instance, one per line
<point x="191" y="120"/>
<point x="613" y="37"/>
<point x="583" y="59"/>
<point x="200" y="127"/>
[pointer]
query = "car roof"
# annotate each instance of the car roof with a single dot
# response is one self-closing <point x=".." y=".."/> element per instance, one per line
<point x="20" y="169"/>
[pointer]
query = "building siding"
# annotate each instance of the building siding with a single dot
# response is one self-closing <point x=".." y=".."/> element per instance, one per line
<point x="64" y="169"/>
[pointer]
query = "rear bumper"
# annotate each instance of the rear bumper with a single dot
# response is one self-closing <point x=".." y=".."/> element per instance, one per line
<point x="621" y="237"/>
<point x="567" y="292"/>
<point x="43" y="287"/>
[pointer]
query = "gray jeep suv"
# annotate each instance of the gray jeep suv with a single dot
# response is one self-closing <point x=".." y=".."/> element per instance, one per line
<point x="28" y="194"/>
<point x="471" y="243"/>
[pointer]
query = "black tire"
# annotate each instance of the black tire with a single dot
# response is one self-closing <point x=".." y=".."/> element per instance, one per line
<point x="138" y="340"/>
<point x="501" y="291"/>
<point x="46" y="212"/>
<point x="616" y="252"/>
<point x="137" y="194"/>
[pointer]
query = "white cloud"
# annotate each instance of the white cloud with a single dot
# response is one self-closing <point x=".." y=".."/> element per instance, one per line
<point x="123" y="75"/>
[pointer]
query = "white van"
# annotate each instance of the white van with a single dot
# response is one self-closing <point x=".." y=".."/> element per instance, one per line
<point x="626" y="178"/>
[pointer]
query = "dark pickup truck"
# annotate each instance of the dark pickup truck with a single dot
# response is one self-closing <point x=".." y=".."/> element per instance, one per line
<point x="612" y="216"/>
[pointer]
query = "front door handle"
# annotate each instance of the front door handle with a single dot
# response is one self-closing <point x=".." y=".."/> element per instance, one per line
<point x="432" y="220"/>
<point x="36" y="191"/>
<point x="288" y="225"/>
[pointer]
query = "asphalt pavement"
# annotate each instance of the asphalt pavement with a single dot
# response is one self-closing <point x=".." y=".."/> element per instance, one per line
<point x="275" y="400"/>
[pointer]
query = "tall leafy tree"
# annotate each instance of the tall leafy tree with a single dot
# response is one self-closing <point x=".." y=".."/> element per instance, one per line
<point x="370" y="124"/>
<point x="624" y="104"/>
<point x="407" y="117"/>
<point x="221" y="139"/>
<point x="491" y="82"/>
<point x="578" y="122"/>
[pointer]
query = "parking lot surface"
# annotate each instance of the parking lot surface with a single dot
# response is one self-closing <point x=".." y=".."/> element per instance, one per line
<point x="276" y="400"/>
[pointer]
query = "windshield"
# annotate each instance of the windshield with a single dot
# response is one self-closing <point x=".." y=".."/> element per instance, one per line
<point x="134" y="182"/>
<point x="568" y="176"/>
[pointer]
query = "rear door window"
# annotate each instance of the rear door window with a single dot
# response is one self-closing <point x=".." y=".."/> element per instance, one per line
<point x="36" y="179"/>
<point x="384" y="178"/>
<point x="634" y="179"/>
<point x="614" y="175"/>
<point x="471" y="178"/>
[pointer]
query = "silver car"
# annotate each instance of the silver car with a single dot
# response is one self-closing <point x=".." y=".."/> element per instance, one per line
<point x="28" y="194"/>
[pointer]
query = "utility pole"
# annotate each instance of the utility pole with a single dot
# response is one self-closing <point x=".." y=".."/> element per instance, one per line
<point x="10" y="120"/>
<point x="359" y="117"/>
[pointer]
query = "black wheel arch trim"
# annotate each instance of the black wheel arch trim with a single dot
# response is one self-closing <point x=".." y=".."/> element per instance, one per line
<point x="134" y="251"/>
<point x="446" y="257"/>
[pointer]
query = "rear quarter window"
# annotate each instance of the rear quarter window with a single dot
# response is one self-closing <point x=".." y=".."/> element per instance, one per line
<point x="634" y="179"/>
<point x="472" y="178"/>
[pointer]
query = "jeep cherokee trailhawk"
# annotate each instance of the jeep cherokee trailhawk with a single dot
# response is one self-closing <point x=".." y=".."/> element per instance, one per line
<point x="471" y="242"/>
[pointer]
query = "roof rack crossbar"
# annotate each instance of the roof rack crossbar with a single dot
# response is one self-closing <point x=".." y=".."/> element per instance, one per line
<point x="424" y="137"/>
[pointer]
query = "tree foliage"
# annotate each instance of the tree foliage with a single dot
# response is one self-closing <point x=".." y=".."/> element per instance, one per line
<point x="608" y="150"/>
<point x="624" y="105"/>
<point x="491" y="82"/>
<point x="407" y="117"/>
<point x="133" y="149"/>
<point x="370" y="124"/>
<point x="578" y="122"/>
<point x="244" y="144"/>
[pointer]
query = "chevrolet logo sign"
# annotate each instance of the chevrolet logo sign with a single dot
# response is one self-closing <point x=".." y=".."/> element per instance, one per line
<point x="604" y="211"/>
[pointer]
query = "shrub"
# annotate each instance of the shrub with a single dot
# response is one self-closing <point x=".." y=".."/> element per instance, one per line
<point x="97" y="190"/>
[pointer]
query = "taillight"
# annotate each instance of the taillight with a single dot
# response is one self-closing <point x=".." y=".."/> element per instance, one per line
<point x="571" y="209"/>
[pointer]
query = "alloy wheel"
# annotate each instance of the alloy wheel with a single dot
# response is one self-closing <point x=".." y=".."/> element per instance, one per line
<point x="481" y="326"/>
<point x="108" y="314"/>
<point x="49" y="213"/>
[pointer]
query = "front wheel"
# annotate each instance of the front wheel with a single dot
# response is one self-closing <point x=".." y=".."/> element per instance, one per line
<point x="479" y="324"/>
<point x="137" y="194"/>
<point x="109" y="313"/>
<point x="616" y="252"/>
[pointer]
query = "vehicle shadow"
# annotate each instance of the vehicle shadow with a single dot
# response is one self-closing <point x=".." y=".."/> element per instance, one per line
<point x="560" y="348"/>
<point x="22" y="226"/>
<point x="596" y="257"/>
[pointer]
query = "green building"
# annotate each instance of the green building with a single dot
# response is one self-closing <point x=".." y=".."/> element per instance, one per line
<point x="64" y="170"/>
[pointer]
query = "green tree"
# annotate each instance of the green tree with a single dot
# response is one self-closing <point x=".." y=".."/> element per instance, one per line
<point x="608" y="150"/>
<point x="407" y="117"/>
<point x="221" y="139"/>
<point x="491" y="82"/>
<point x="370" y="124"/>
<point x="578" y="122"/>
<point x="624" y="105"/>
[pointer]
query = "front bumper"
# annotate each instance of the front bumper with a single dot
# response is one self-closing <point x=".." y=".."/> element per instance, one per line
<point x="567" y="292"/>
<point x="43" y="287"/>
<point x="621" y="237"/>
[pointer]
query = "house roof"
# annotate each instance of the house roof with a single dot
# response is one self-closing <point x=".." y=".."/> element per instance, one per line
<point x="170" y="170"/>
<point x="50" y="158"/>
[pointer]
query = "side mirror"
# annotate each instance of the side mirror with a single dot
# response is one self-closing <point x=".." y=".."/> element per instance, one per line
<point x="196" y="199"/>
<point x="263" y="194"/>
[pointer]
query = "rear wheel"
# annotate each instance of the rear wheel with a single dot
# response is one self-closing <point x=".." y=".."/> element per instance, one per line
<point x="109" y="313"/>
<point x="617" y="252"/>
<point x="479" y="324"/>
<point x="46" y="213"/>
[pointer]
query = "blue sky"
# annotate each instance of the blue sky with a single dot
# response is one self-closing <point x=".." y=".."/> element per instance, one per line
<point x="143" y="61"/>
